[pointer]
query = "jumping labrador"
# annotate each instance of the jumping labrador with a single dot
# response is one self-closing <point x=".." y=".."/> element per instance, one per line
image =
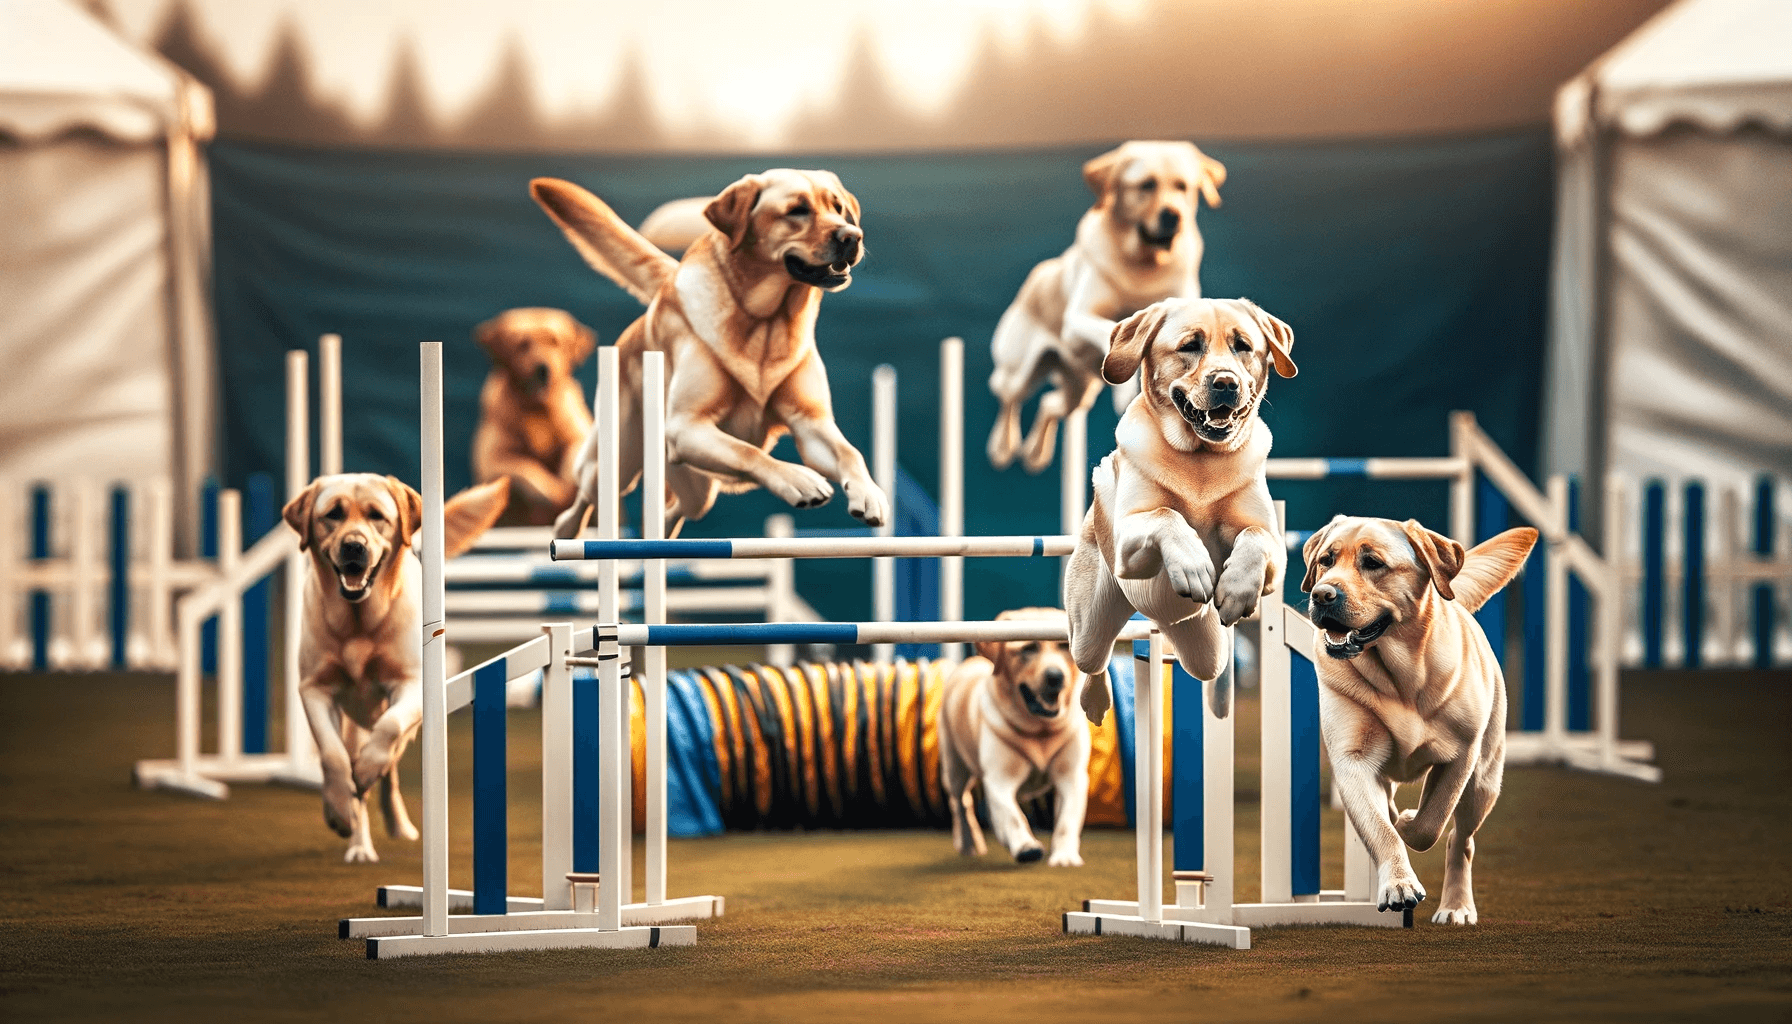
<point x="532" y="411"/>
<point x="1181" y="527"/>
<point x="361" y="649"/>
<point x="1410" y="690"/>
<point x="1006" y="724"/>
<point x="736" y="320"/>
<point x="1137" y="245"/>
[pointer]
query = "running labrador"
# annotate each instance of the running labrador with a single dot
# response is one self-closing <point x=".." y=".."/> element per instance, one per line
<point x="1006" y="723"/>
<point x="736" y="320"/>
<point x="1181" y="527"/>
<point x="1137" y="245"/>
<point x="532" y="411"/>
<point x="1411" y="690"/>
<point x="361" y="646"/>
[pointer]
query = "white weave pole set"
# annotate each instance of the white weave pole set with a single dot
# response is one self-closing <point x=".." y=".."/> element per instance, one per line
<point x="208" y="775"/>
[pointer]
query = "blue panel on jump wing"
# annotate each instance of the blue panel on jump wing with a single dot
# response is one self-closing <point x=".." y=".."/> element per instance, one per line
<point x="491" y="842"/>
<point x="584" y="772"/>
<point x="1303" y="746"/>
<point x="1188" y="771"/>
<point x="1120" y="678"/>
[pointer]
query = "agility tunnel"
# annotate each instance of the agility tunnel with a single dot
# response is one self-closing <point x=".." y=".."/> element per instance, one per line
<point x="833" y="745"/>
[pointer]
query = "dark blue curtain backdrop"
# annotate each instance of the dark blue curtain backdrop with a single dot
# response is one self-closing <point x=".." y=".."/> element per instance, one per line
<point x="1412" y="270"/>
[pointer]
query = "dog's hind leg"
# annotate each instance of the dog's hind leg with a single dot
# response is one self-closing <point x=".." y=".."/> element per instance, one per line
<point x="360" y="842"/>
<point x="959" y="783"/>
<point x="1097" y="609"/>
<point x="392" y="808"/>
<point x="1204" y="649"/>
<point x="1004" y="773"/>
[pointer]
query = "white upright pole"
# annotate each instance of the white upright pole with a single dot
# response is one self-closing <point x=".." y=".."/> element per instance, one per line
<point x="1555" y="610"/>
<point x="1277" y="771"/>
<point x="435" y="692"/>
<point x="781" y="583"/>
<point x="329" y="405"/>
<point x="1073" y="488"/>
<point x="653" y="681"/>
<point x="556" y="769"/>
<point x="230" y="627"/>
<point x="84" y="554"/>
<point x="614" y="825"/>
<point x="11" y="654"/>
<point x="952" y="486"/>
<point x="1611" y="625"/>
<point x="1148" y="778"/>
<point x="883" y="467"/>
<point x="1724" y="618"/>
<point x="1462" y="485"/>
<point x="301" y="749"/>
<point x="1218" y="794"/>
<point x="161" y="571"/>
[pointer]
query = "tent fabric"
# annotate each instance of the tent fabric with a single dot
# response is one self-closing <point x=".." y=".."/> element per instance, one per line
<point x="1412" y="271"/>
<point x="1675" y="196"/>
<point x="61" y="70"/>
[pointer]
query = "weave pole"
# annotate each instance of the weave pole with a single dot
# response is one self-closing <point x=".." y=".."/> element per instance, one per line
<point x="435" y="699"/>
<point x="952" y="485"/>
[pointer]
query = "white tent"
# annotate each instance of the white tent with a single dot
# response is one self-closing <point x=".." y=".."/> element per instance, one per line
<point x="105" y="325"/>
<point x="1671" y="327"/>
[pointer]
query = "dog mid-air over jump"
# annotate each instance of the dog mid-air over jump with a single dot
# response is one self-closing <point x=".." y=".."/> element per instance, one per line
<point x="736" y="321"/>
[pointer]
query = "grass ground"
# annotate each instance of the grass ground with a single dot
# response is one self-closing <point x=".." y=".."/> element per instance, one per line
<point x="1600" y="900"/>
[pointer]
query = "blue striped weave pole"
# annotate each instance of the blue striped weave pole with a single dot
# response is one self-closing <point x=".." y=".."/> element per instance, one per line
<point x="1492" y="516"/>
<point x="119" y="614"/>
<point x="491" y="840"/>
<point x="1762" y="545"/>
<point x="1580" y="669"/>
<point x="40" y="599"/>
<point x="259" y="513"/>
<point x="1303" y="834"/>
<point x="1692" y="572"/>
<point x="814" y="547"/>
<point x="1654" y="569"/>
<point x="756" y="634"/>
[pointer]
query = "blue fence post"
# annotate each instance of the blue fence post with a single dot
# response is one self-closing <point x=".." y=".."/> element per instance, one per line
<point x="1654" y="569"/>
<point x="491" y="840"/>
<point x="1580" y="675"/>
<point x="120" y="611"/>
<point x="1692" y="571"/>
<point x="1762" y="544"/>
<point x="1492" y="516"/>
<point x="1303" y="776"/>
<point x="40" y="599"/>
<point x="1188" y="777"/>
<point x="208" y="548"/>
<point x="258" y="513"/>
<point x="585" y="768"/>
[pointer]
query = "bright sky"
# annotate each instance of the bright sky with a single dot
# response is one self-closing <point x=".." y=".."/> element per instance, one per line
<point x="749" y="65"/>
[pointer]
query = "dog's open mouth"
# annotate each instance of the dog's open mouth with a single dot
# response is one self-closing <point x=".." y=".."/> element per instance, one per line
<point x="1348" y="643"/>
<point x="353" y="579"/>
<point x="1158" y="241"/>
<point x="821" y="275"/>
<point x="1217" y="424"/>
<point x="1034" y="705"/>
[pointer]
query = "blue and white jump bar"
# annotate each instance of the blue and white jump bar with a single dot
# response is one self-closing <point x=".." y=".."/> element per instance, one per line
<point x="681" y="634"/>
<point x="816" y="547"/>
<point x="1376" y="469"/>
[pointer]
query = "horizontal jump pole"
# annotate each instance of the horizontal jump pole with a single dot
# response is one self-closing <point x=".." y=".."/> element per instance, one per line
<point x="758" y="633"/>
<point x="1378" y="469"/>
<point x="817" y="547"/>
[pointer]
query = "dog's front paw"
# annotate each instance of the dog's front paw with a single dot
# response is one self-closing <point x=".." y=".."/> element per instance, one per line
<point x="867" y="502"/>
<point x="340" y="808"/>
<point x="1030" y="853"/>
<point x="799" y="486"/>
<point x="372" y="762"/>
<point x="1236" y="594"/>
<point x="1190" y="572"/>
<point x="1064" y="859"/>
<point x="360" y="853"/>
<point x="1399" y="890"/>
<point x="1096" y="699"/>
<point x="1454" y="915"/>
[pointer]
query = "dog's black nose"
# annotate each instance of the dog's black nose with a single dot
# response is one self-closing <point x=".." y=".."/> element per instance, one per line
<point x="1222" y="389"/>
<point x="539" y="376"/>
<point x="353" y="551"/>
<point x="846" y="243"/>
<point x="1168" y="221"/>
<point x="1325" y="595"/>
<point x="1052" y="678"/>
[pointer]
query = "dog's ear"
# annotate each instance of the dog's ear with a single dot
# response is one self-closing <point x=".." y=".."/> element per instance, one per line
<point x="1128" y="341"/>
<point x="584" y="342"/>
<point x="1099" y="173"/>
<point x="1441" y="555"/>
<point x="410" y="509"/>
<point x="1281" y="338"/>
<point x="732" y="212"/>
<point x="992" y="651"/>
<point x="1309" y="553"/>
<point x="297" y="514"/>
<point x="488" y="334"/>
<point x="1211" y="177"/>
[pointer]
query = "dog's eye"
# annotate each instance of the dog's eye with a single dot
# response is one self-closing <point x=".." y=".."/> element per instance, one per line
<point x="334" y="513"/>
<point x="1327" y="560"/>
<point x="1371" y="563"/>
<point x="1148" y="185"/>
<point x="1180" y="186"/>
<point x="1029" y="650"/>
<point x="376" y="515"/>
<point x="1239" y="344"/>
<point x="1193" y="343"/>
<point x="799" y="210"/>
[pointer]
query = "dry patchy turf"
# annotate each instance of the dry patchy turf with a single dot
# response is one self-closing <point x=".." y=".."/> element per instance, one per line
<point x="1600" y="900"/>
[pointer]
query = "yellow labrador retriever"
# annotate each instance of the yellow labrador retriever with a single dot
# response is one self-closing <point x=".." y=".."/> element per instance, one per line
<point x="1181" y="527"/>
<point x="1006" y="724"/>
<point x="361" y="649"/>
<point x="1138" y="244"/>
<point x="736" y="320"/>
<point x="1410" y="690"/>
<point x="532" y="411"/>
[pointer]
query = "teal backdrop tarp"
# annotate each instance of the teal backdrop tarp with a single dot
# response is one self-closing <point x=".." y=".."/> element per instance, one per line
<point x="1412" y="271"/>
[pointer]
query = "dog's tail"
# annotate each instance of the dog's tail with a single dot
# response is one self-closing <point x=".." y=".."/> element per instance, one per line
<point x="467" y="515"/>
<point x="609" y="245"/>
<point x="1490" y="565"/>
<point x="675" y="225"/>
